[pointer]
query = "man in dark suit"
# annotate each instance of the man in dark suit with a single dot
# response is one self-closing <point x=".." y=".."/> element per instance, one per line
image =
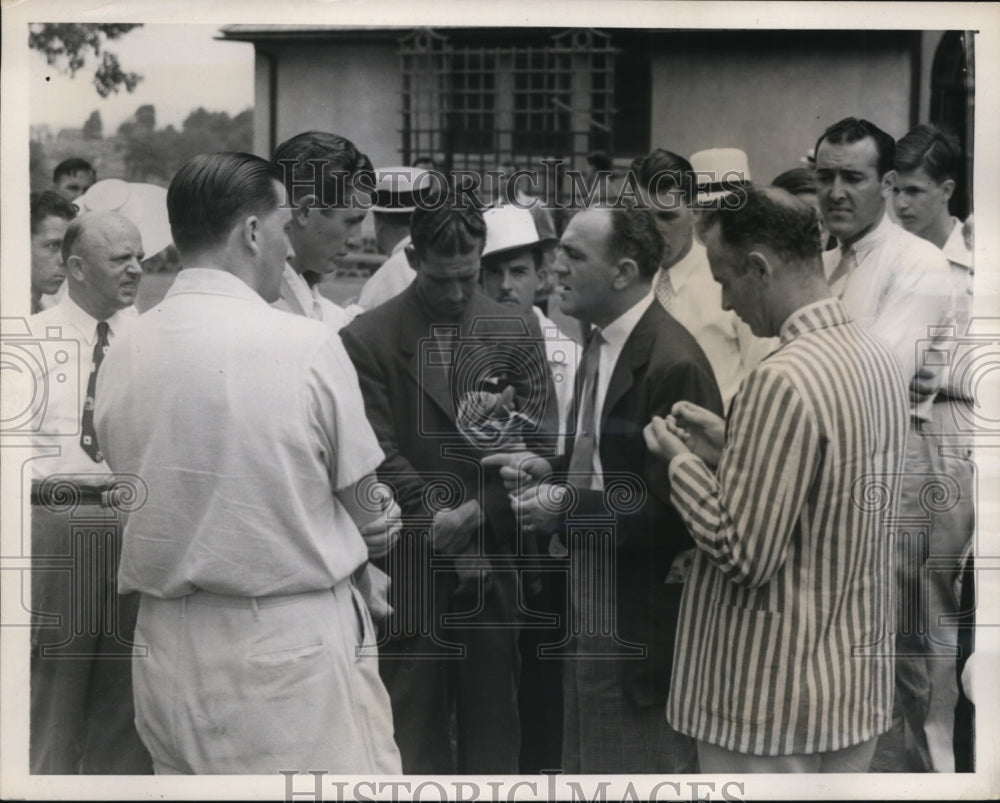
<point x="438" y="354"/>
<point x="609" y="501"/>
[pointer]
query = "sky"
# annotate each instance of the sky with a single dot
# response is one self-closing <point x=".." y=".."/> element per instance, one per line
<point x="182" y="68"/>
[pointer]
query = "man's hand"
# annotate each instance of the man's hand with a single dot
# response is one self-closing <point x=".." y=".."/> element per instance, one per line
<point x="926" y="383"/>
<point x="453" y="529"/>
<point x="701" y="430"/>
<point x="663" y="443"/>
<point x="380" y="534"/>
<point x="540" y="507"/>
<point x="519" y="470"/>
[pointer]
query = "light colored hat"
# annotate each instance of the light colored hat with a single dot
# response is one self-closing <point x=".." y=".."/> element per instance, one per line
<point x="143" y="204"/>
<point x="718" y="170"/>
<point x="509" y="227"/>
<point x="400" y="189"/>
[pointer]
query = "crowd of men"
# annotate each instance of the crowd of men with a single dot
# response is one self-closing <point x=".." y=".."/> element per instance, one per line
<point x="610" y="501"/>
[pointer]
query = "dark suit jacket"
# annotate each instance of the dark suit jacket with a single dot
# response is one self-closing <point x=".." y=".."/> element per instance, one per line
<point x="410" y="400"/>
<point x="660" y="365"/>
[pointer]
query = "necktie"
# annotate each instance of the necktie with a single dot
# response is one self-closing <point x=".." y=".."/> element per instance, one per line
<point x="665" y="292"/>
<point x="837" y="279"/>
<point x="88" y="436"/>
<point x="581" y="464"/>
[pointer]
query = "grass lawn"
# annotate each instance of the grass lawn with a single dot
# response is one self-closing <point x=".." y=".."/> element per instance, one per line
<point x="152" y="288"/>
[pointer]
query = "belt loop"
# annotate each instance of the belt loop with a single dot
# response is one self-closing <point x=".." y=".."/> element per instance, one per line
<point x="256" y="609"/>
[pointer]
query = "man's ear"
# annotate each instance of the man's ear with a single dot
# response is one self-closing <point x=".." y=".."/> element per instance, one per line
<point x="760" y="264"/>
<point x="250" y="233"/>
<point x="300" y="212"/>
<point x="411" y="257"/>
<point x="74" y="267"/>
<point x="888" y="182"/>
<point x="626" y="272"/>
<point x="948" y="188"/>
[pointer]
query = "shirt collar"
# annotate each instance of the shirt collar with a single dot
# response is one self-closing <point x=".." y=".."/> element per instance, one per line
<point x="879" y="233"/>
<point x="86" y="324"/>
<point x="300" y="289"/>
<point x="955" y="249"/>
<point x="400" y="245"/>
<point x="213" y="281"/>
<point x="617" y="332"/>
<point x="820" y="314"/>
<point x="687" y="266"/>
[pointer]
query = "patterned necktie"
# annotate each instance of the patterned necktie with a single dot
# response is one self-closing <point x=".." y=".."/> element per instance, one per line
<point x="665" y="292"/>
<point x="581" y="464"/>
<point x="88" y="436"/>
<point x="837" y="279"/>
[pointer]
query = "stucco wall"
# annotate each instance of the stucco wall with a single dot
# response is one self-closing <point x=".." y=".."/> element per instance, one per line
<point x="773" y="104"/>
<point x="351" y="89"/>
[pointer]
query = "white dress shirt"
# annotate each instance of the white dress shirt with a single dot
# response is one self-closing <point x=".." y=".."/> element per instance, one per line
<point x="562" y="354"/>
<point x="900" y="289"/>
<point x="66" y="335"/>
<point x="732" y="349"/>
<point x="391" y="279"/>
<point x="299" y="298"/>
<point x="614" y="336"/>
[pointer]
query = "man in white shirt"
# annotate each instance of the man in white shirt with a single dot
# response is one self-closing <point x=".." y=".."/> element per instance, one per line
<point x="899" y="287"/>
<point x="683" y="284"/>
<point x="248" y="429"/>
<point x="927" y="165"/>
<point x="81" y="690"/>
<point x="322" y="174"/>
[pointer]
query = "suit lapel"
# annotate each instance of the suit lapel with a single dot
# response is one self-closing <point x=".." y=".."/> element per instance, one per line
<point x="424" y="355"/>
<point x="635" y="354"/>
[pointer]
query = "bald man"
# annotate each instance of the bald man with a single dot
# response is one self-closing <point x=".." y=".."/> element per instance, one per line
<point x="81" y="689"/>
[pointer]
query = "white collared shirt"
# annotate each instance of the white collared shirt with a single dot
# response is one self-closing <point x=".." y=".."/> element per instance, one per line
<point x="391" y="279"/>
<point x="899" y="289"/>
<point x="731" y="347"/>
<point x="66" y="334"/>
<point x="299" y="298"/>
<point x="614" y="335"/>
<point x="562" y="354"/>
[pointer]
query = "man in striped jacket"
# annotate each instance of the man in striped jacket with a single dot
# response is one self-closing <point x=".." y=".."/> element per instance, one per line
<point x="783" y="662"/>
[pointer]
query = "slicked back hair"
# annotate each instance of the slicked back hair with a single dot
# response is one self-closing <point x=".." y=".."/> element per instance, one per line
<point x="49" y="204"/>
<point x="662" y="170"/>
<point x="447" y="228"/>
<point x="213" y="191"/>
<point x="936" y="151"/>
<point x="770" y="217"/>
<point x="325" y="165"/>
<point x="851" y="130"/>
<point x="634" y="236"/>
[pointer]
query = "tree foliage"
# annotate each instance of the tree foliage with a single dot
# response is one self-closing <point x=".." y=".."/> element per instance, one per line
<point x="69" y="46"/>
<point x="94" y="127"/>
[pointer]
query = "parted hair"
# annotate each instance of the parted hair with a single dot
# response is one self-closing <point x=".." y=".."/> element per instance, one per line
<point x="49" y="204"/>
<point x="634" y="236"/>
<point x="933" y="149"/>
<point x="772" y="217"/>
<point x="851" y="130"/>
<point x="447" y="228"/>
<point x="325" y="165"/>
<point x="213" y="191"/>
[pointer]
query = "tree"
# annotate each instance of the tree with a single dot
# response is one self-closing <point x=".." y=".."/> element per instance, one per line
<point x="94" y="127"/>
<point x="68" y="46"/>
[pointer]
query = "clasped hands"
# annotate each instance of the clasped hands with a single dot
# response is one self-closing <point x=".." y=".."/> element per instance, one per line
<point x="536" y="504"/>
<point x="688" y="428"/>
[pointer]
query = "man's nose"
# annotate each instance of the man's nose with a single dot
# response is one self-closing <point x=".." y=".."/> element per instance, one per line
<point x="837" y="187"/>
<point x="134" y="267"/>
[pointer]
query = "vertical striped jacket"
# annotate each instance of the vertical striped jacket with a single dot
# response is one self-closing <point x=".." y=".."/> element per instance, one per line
<point x="782" y="644"/>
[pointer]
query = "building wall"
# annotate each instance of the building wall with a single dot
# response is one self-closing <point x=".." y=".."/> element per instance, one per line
<point x="351" y="89"/>
<point x="774" y="105"/>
